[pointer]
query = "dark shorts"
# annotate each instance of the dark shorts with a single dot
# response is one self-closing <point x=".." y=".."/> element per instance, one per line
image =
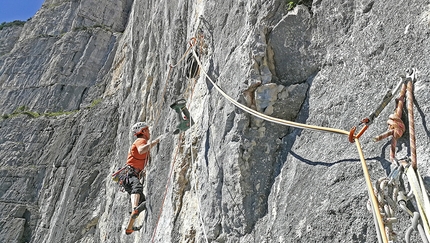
<point x="133" y="185"/>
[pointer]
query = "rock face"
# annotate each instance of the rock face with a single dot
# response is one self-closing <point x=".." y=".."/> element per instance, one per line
<point x="77" y="75"/>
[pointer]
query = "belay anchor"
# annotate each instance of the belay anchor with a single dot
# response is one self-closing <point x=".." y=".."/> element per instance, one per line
<point x="184" y="118"/>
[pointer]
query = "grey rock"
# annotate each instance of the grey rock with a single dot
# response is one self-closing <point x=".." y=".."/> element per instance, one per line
<point x="77" y="75"/>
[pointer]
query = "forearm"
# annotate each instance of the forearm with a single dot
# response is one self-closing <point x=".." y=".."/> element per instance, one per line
<point x="145" y="148"/>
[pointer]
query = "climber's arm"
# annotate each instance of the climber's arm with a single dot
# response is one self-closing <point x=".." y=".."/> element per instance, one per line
<point x="145" y="148"/>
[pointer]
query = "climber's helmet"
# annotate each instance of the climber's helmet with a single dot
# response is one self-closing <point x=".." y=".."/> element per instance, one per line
<point x="139" y="128"/>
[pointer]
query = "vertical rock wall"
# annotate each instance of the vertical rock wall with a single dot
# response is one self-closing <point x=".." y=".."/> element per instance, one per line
<point x="81" y="72"/>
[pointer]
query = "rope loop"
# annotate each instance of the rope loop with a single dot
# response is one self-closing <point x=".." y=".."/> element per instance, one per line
<point x="192" y="41"/>
<point x="396" y="124"/>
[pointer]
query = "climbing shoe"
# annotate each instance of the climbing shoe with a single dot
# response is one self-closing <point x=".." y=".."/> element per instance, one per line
<point x="135" y="228"/>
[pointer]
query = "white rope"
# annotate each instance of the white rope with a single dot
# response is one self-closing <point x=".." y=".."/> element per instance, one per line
<point x="197" y="192"/>
<point x="192" y="163"/>
<point x="266" y="117"/>
<point x="380" y="226"/>
<point x="421" y="198"/>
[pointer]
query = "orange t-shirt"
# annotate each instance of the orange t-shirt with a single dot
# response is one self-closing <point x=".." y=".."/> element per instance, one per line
<point x="136" y="160"/>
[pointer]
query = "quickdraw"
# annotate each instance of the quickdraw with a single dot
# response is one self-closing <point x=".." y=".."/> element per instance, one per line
<point x="352" y="136"/>
<point x="392" y="196"/>
<point x="366" y="122"/>
<point x="391" y="190"/>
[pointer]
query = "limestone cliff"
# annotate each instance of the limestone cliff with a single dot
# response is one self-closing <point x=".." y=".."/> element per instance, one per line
<point x="79" y="73"/>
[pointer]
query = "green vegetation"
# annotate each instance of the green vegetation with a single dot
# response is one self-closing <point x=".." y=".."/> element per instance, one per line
<point x="23" y="110"/>
<point x="59" y="113"/>
<point x="13" y="23"/>
<point x="80" y="28"/>
<point x="291" y="4"/>
<point x="95" y="102"/>
<point x="48" y="6"/>
<point x="96" y="26"/>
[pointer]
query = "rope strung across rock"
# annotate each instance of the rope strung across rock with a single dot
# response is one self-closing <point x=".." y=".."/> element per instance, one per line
<point x="266" y="117"/>
<point x="396" y="130"/>
<point x="191" y="44"/>
<point x="180" y="142"/>
<point x="167" y="187"/>
<point x="380" y="224"/>
<point x="180" y="137"/>
<point x="193" y="135"/>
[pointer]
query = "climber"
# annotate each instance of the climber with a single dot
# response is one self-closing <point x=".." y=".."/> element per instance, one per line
<point x="138" y="157"/>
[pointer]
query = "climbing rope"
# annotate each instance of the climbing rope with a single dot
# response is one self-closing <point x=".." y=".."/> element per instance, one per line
<point x="387" y="188"/>
<point x="190" y="98"/>
<point x="171" y="67"/>
<point x="421" y="199"/>
<point x="191" y="45"/>
<point x="167" y="187"/>
<point x="379" y="224"/>
<point x="396" y="128"/>
<point x="180" y="136"/>
<point x="412" y="141"/>
<point x="266" y="117"/>
<point x="195" y="187"/>
<point x="375" y="208"/>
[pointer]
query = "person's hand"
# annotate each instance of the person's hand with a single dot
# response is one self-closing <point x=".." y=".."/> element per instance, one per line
<point x="159" y="138"/>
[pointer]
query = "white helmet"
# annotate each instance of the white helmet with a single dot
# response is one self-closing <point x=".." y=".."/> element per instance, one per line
<point x="138" y="127"/>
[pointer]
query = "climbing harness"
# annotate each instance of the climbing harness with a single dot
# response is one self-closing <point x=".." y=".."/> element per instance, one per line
<point x="122" y="176"/>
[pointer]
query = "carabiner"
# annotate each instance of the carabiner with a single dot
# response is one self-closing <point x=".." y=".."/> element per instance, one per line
<point x="192" y="41"/>
<point x="352" y="135"/>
